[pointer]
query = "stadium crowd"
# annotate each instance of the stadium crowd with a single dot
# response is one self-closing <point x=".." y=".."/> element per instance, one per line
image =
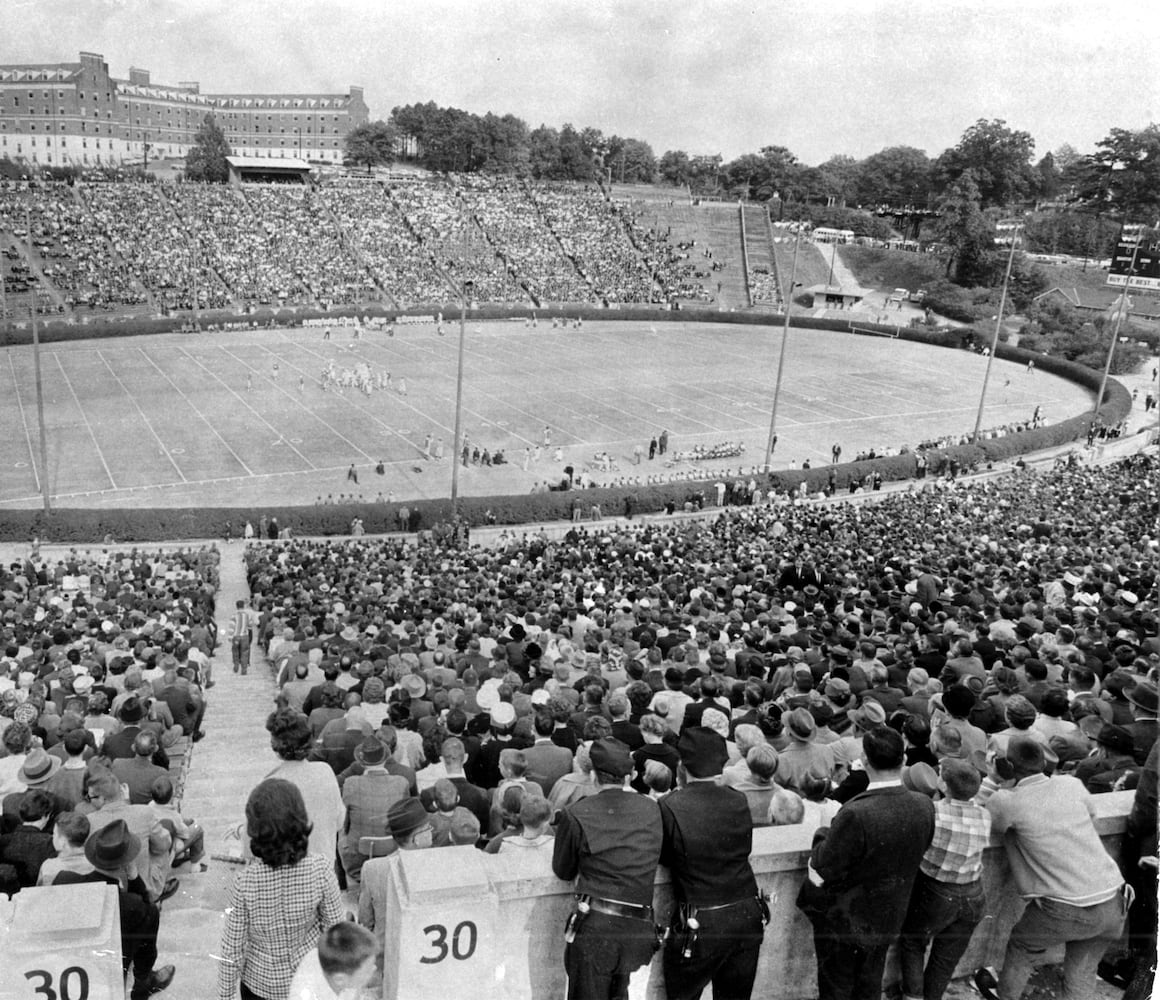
<point x="796" y="658"/>
<point x="479" y="696"/>
<point x="107" y="245"/>
<point x="105" y="658"/>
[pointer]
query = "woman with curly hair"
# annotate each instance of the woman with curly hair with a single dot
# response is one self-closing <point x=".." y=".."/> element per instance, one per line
<point x="290" y="739"/>
<point x="280" y="903"/>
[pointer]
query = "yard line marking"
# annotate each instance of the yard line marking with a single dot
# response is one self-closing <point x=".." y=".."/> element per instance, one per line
<point x="181" y="392"/>
<point x="241" y="400"/>
<point x="23" y="419"/>
<point x="148" y="423"/>
<point x="85" y="418"/>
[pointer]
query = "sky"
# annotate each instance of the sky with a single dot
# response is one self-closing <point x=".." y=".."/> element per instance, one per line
<point x="820" y="77"/>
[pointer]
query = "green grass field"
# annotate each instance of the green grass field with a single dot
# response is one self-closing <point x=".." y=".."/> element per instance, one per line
<point x="169" y="420"/>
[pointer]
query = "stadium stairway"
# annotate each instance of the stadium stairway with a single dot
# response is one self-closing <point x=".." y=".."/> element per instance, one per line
<point x="219" y="773"/>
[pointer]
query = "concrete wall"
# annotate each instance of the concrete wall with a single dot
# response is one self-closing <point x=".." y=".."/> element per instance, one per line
<point x="465" y="923"/>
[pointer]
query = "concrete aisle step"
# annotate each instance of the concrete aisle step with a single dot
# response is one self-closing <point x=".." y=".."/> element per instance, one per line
<point x="222" y="769"/>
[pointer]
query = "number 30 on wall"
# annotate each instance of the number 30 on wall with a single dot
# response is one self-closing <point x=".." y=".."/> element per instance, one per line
<point x="463" y="940"/>
<point x="72" y="985"/>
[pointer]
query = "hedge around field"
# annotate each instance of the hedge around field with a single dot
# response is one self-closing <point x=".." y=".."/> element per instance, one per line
<point x="84" y="526"/>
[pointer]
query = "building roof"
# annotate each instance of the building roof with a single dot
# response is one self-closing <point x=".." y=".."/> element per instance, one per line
<point x="854" y="293"/>
<point x="267" y="163"/>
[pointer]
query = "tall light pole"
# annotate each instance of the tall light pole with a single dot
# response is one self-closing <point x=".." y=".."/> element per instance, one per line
<point x="781" y="356"/>
<point x="463" y="283"/>
<point x="1121" y="307"/>
<point x="39" y="387"/>
<point x="995" y="336"/>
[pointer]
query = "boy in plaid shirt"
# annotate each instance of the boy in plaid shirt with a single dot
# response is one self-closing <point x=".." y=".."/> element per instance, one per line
<point x="947" y="902"/>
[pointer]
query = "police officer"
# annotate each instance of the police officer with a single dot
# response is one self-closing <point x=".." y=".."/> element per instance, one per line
<point x="720" y="918"/>
<point x="610" y="843"/>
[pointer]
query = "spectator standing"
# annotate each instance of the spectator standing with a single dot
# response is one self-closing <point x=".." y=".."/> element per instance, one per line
<point x="861" y="873"/>
<point x="280" y="903"/>
<point x="947" y="902"/>
<point x="1075" y="893"/>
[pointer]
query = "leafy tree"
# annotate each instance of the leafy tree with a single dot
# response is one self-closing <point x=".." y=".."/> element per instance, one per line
<point x="206" y="159"/>
<point x="966" y="230"/>
<point x="997" y="156"/>
<point x="1124" y="173"/>
<point x="576" y="161"/>
<point x="372" y="144"/>
<point x="837" y="176"/>
<point x="631" y="161"/>
<point x="1048" y="180"/>
<point x="897" y="176"/>
<point x="508" y="145"/>
<point x="544" y="153"/>
<point x="675" y="167"/>
<point x="705" y="173"/>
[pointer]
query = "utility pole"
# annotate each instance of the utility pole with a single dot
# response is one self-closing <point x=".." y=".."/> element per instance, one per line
<point x="995" y="337"/>
<point x="1120" y="310"/>
<point x="781" y="357"/>
<point x="39" y="387"/>
<point x="463" y="283"/>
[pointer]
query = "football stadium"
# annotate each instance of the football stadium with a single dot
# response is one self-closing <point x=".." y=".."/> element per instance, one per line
<point x="444" y="555"/>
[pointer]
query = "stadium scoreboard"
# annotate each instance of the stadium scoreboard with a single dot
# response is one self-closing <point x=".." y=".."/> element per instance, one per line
<point x="1144" y="246"/>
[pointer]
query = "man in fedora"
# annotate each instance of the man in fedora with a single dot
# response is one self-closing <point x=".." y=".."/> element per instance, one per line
<point x="113" y="850"/>
<point x="368" y="798"/>
<point x="1144" y="726"/>
<point x="410" y="826"/>
<point x="37" y="771"/>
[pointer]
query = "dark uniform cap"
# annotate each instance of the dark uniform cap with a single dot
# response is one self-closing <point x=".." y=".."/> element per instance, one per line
<point x="611" y="756"/>
<point x="703" y="752"/>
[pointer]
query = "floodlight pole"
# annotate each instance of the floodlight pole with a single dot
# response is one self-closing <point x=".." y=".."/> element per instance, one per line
<point x="995" y="338"/>
<point x="781" y="356"/>
<point x="39" y="389"/>
<point x="1123" y="304"/>
<point x="459" y="370"/>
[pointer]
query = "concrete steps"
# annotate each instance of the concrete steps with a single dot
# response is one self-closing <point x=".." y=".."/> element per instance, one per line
<point x="217" y="775"/>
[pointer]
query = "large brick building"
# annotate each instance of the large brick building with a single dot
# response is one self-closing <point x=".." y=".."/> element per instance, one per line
<point x="57" y="113"/>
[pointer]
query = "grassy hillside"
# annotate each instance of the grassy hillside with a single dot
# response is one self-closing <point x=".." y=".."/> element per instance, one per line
<point x="887" y="269"/>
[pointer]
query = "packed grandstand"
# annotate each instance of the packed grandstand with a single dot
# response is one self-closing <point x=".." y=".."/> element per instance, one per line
<point x="103" y="246"/>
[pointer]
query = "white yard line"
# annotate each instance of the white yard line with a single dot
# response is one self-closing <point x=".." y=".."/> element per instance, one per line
<point x="24" y="421"/>
<point x="201" y="416"/>
<point x="141" y="413"/>
<point x="85" y="418"/>
<point x="241" y="399"/>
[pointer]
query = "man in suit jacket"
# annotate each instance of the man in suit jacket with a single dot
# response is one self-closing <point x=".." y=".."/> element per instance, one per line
<point x="861" y="873"/>
<point x="120" y="744"/>
<point x="547" y="762"/>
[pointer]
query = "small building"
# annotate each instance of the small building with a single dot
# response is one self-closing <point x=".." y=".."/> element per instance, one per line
<point x="835" y="296"/>
<point x="260" y="169"/>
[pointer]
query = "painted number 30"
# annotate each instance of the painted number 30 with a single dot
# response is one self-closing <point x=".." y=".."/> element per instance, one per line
<point x="74" y="984"/>
<point x="463" y="940"/>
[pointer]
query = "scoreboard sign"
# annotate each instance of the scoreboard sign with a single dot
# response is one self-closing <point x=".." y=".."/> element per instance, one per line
<point x="1144" y="271"/>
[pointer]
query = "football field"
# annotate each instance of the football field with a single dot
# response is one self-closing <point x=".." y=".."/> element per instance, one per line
<point x="238" y="418"/>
